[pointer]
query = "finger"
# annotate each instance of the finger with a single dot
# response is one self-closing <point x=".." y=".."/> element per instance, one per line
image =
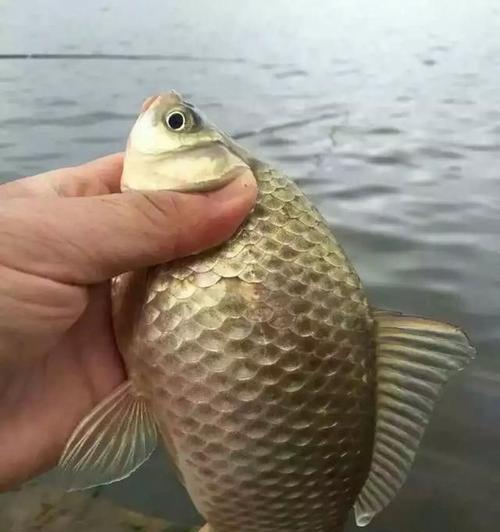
<point x="100" y="359"/>
<point x="100" y="176"/>
<point x="85" y="240"/>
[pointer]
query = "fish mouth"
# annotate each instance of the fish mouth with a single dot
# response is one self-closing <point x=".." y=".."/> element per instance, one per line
<point x="200" y="146"/>
<point x="148" y="102"/>
<point x="171" y="96"/>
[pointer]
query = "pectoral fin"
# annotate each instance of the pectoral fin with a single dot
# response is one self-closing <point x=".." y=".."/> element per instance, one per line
<point x="415" y="358"/>
<point x="110" y="443"/>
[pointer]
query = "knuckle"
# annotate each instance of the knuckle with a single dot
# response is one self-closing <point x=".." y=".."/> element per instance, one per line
<point x="155" y="208"/>
<point x="165" y="216"/>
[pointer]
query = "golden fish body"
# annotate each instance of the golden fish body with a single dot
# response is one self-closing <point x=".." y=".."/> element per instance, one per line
<point x="283" y="398"/>
<point x="258" y="361"/>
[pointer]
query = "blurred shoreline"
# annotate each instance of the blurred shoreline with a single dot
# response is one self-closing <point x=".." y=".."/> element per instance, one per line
<point x="40" y="508"/>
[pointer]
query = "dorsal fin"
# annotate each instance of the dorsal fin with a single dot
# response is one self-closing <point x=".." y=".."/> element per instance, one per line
<point x="110" y="443"/>
<point x="415" y="358"/>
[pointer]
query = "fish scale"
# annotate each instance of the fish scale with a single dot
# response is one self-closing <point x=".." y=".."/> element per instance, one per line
<point x="266" y="411"/>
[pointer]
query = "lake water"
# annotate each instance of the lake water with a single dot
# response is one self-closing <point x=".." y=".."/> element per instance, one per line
<point x="386" y="113"/>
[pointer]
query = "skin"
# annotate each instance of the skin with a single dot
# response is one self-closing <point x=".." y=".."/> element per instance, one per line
<point x="63" y="235"/>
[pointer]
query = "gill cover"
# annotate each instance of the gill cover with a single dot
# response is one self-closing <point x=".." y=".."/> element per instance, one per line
<point x="171" y="147"/>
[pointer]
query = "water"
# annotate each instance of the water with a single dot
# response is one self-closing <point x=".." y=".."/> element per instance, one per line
<point x="387" y="114"/>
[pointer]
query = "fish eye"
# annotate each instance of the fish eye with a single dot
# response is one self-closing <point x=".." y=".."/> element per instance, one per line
<point x="176" y="121"/>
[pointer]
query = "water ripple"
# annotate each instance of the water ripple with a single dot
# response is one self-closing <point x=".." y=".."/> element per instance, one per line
<point x="119" y="57"/>
<point x="56" y="102"/>
<point x="38" y="157"/>
<point x="290" y="74"/>
<point x="365" y="191"/>
<point x="493" y="147"/>
<point x="391" y="157"/>
<point x="436" y="152"/>
<point x="383" y="130"/>
<point x="374" y="240"/>
<point x="96" y="139"/>
<point x="77" y="120"/>
<point x="285" y="125"/>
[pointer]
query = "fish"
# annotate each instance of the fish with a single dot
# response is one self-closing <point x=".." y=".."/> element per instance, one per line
<point x="284" y="399"/>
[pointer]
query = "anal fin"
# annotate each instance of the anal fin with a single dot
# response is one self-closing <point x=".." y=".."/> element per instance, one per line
<point x="415" y="358"/>
<point x="110" y="443"/>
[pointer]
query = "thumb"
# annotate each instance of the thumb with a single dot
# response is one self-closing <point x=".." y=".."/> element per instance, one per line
<point x="84" y="240"/>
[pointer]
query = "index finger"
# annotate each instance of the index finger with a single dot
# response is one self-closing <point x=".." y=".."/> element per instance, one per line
<point x="101" y="176"/>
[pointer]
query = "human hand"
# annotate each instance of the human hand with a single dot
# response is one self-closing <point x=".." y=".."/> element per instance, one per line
<point x="63" y="235"/>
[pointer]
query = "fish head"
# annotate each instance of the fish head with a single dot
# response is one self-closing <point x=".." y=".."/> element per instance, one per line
<point x="173" y="147"/>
